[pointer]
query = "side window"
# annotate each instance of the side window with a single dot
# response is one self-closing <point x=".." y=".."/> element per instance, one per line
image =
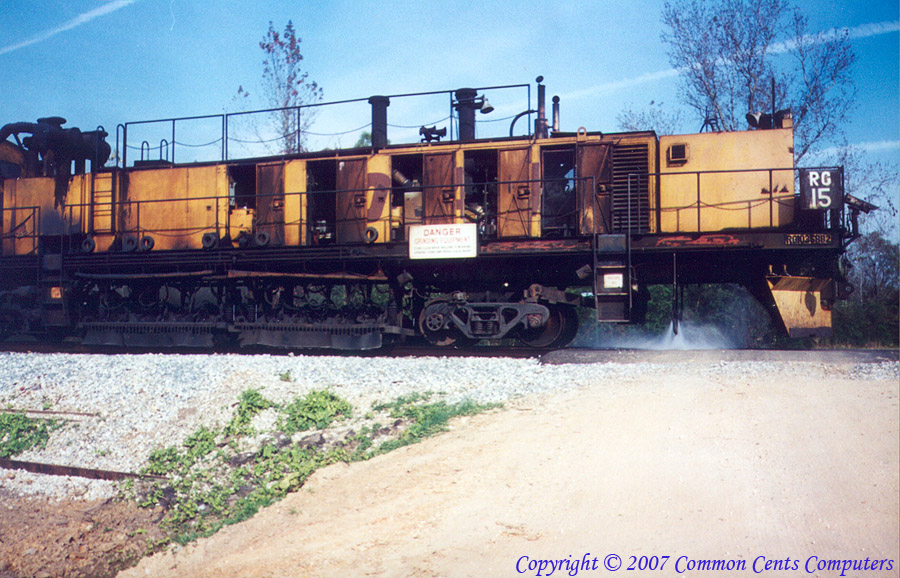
<point x="321" y="183"/>
<point x="481" y="190"/>
<point x="559" y="216"/>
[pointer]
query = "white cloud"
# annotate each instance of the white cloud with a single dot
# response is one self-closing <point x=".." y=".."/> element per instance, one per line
<point x="106" y="8"/>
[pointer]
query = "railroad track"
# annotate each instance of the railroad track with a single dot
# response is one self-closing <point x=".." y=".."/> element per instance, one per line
<point x="391" y="350"/>
<point x="73" y="471"/>
<point x="63" y="470"/>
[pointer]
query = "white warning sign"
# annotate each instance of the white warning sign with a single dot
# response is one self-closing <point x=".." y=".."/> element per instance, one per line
<point x="443" y="241"/>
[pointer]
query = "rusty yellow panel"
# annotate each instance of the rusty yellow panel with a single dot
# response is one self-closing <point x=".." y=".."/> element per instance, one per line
<point x="28" y="212"/>
<point x="537" y="192"/>
<point x="747" y="196"/>
<point x="176" y="206"/>
<point x="222" y="200"/>
<point x="378" y="199"/>
<point x="7" y="216"/>
<point x="295" y="203"/>
<point x="100" y="214"/>
<point x="77" y="208"/>
<point x="240" y="220"/>
<point x="459" y="209"/>
<point x="800" y="302"/>
<point x="103" y="242"/>
<point x="514" y="193"/>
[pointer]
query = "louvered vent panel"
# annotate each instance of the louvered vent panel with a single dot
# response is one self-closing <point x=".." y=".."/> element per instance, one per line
<point x="631" y="160"/>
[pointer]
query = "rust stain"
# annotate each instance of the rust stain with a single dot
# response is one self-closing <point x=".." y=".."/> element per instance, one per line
<point x="702" y="241"/>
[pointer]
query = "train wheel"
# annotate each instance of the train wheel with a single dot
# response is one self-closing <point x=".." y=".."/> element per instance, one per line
<point x="559" y="331"/>
<point x="12" y="321"/>
<point x="129" y="243"/>
<point x="433" y="325"/>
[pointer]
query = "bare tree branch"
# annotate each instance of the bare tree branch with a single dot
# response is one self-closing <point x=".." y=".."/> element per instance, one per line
<point x="729" y="53"/>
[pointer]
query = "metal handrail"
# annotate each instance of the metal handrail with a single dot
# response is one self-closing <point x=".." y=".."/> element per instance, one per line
<point x="456" y="208"/>
<point x="225" y="118"/>
<point x="771" y="198"/>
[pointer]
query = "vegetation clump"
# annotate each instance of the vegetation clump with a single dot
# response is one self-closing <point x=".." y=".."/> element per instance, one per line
<point x="224" y="474"/>
<point x="20" y="433"/>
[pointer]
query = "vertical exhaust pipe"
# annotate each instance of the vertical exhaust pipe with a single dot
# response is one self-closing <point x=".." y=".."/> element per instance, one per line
<point x="540" y="123"/>
<point x="555" y="114"/>
<point x="379" y="120"/>
<point x="465" y="106"/>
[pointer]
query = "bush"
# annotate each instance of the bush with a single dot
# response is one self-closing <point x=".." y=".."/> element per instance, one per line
<point x="872" y="323"/>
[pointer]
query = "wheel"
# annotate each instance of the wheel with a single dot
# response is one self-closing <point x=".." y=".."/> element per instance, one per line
<point x="433" y="324"/>
<point x="12" y="321"/>
<point x="559" y="331"/>
<point x="129" y="243"/>
<point x="147" y="243"/>
<point x="209" y="240"/>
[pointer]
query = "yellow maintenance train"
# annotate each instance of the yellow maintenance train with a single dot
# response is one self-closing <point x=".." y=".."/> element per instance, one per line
<point x="454" y="240"/>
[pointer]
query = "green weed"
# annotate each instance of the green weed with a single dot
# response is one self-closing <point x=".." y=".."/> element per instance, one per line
<point x="316" y="410"/>
<point x="19" y="433"/>
<point x="250" y="403"/>
<point x="210" y="484"/>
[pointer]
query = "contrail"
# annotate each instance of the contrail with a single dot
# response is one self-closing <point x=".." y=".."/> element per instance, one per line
<point x="861" y="31"/>
<point x="106" y="8"/>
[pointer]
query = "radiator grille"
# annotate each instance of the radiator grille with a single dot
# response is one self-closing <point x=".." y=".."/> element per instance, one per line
<point x="631" y="160"/>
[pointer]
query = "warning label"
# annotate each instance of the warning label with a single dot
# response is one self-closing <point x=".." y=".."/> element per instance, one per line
<point x="443" y="241"/>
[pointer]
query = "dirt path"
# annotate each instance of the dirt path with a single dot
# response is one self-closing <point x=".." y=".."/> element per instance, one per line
<point x="688" y="466"/>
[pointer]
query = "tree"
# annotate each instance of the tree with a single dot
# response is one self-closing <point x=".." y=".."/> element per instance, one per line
<point x="729" y="52"/>
<point x="287" y="87"/>
<point x="870" y="317"/>
<point x="874" y="182"/>
<point x="657" y="118"/>
<point x="876" y="268"/>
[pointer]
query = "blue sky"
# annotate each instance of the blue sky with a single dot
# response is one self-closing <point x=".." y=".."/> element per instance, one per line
<point x="100" y="62"/>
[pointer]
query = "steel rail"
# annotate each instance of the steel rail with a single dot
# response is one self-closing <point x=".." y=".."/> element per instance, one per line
<point x="59" y="470"/>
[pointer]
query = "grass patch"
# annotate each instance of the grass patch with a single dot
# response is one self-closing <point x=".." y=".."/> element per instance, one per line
<point x="250" y="403"/>
<point x="20" y="433"/>
<point x="421" y="419"/>
<point x="225" y="474"/>
<point x="315" y="411"/>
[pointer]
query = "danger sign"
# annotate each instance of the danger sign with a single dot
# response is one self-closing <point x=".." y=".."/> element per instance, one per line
<point x="443" y="241"/>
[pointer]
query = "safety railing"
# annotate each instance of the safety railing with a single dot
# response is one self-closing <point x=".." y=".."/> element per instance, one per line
<point x="500" y="208"/>
<point x="20" y="228"/>
<point x="215" y="137"/>
<point x="704" y="201"/>
<point x="684" y="202"/>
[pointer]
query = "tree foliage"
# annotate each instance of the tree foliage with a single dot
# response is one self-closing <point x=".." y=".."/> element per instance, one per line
<point x="287" y="88"/>
<point x="729" y="52"/>
<point x="875" y="271"/>
<point x="873" y="181"/>
<point x="658" y="117"/>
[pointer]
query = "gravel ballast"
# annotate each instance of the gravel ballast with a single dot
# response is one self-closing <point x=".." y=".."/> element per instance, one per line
<point x="150" y="401"/>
